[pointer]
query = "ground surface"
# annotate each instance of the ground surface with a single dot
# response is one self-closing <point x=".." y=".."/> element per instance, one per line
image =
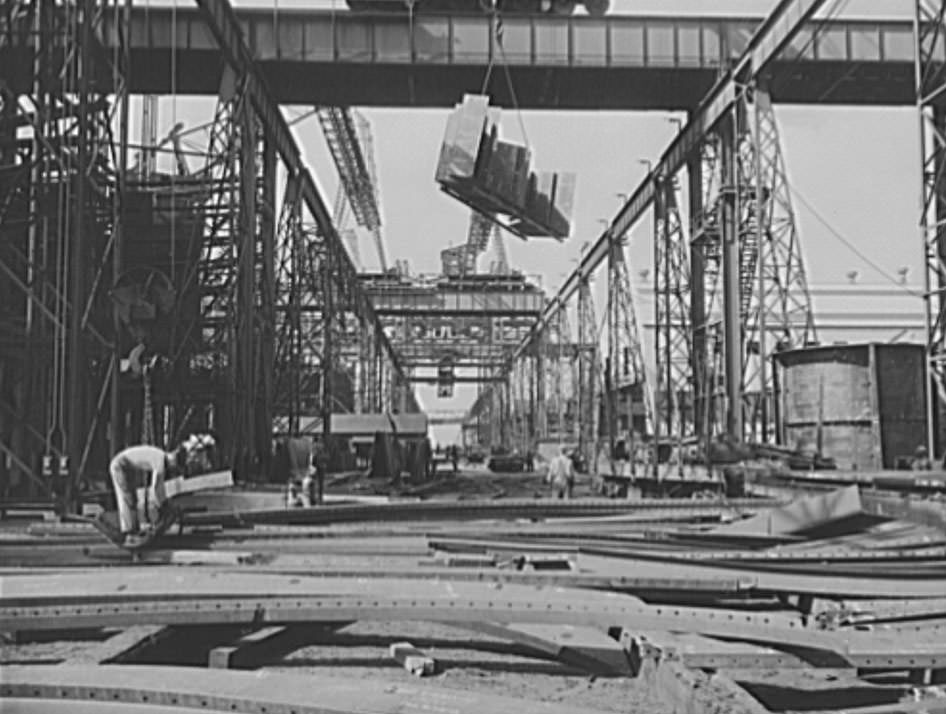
<point x="467" y="660"/>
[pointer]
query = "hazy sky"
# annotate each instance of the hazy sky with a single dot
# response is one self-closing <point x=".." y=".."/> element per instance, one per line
<point x="858" y="167"/>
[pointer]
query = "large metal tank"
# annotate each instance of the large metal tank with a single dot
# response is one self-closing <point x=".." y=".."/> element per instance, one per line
<point x="864" y="404"/>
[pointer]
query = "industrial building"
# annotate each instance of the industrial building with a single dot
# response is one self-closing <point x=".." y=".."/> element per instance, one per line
<point x="706" y="482"/>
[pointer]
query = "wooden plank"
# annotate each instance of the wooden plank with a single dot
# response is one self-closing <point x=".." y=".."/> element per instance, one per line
<point x="230" y="690"/>
<point x="204" y="482"/>
<point x="464" y="511"/>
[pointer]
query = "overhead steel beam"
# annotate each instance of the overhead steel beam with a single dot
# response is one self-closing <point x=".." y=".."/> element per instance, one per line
<point x="226" y="29"/>
<point x="775" y="32"/>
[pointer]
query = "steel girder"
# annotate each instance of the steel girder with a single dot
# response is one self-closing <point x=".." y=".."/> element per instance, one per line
<point x="474" y="603"/>
<point x="750" y="275"/>
<point x="930" y="30"/>
<point x="150" y="688"/>
<point x="777" y="312"/>
<point x="587" y="388"/>
<point x="626" y="360"/>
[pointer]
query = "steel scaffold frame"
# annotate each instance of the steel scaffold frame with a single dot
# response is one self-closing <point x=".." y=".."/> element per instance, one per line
<point x="60" y="242"/>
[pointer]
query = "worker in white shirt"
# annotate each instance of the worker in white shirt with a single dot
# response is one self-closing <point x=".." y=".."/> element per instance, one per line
<point x="562" y="474"/>
<point x="147" y="467"/>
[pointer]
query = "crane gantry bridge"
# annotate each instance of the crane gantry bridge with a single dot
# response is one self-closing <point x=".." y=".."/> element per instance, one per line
<point x="250" y="300"/>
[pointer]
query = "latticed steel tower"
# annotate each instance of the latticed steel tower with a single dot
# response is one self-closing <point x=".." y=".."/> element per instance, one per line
<point x="930" y="26"/>
<point x="744" y="182"/>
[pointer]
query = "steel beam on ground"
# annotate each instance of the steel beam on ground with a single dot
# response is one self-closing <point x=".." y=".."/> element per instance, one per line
<point x="614" y="562"/>
<point x="191" y="689"/>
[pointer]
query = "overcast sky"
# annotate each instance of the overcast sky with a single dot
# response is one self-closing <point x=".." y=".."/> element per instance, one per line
<point x="858" y="167"/>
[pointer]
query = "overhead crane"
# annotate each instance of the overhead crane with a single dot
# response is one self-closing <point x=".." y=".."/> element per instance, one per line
<point x="718" y="113"/>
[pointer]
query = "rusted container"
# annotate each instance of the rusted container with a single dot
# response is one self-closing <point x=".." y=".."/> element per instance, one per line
<point x="863" y="404"/>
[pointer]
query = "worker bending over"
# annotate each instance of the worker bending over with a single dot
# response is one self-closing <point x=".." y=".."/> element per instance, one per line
<point x="147" y="467"/>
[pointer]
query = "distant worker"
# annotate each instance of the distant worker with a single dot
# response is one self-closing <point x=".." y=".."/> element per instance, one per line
<point x="455" y="457"/>
<point x="921" y="460"/>
<point x="562" y="474"/>
<point x="148" y="467"/>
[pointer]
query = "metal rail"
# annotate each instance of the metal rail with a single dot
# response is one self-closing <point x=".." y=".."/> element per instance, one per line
<point x="144" y="688"/>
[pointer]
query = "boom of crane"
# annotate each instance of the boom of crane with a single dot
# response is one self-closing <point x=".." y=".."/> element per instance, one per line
<point x="354" y="160"/>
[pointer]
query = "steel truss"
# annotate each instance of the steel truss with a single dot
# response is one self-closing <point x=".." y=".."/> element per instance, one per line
<point x="931" y="102"/>
<point x="587" y="383"/>
<point x="745" y="195"/>
<point x="626" y="386"/>
<point x="672" y="334"/>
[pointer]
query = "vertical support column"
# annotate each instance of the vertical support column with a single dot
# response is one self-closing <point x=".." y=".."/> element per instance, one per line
<point x="761" y="418"/>
<point x="930" y="33"/>
<point x="267" y="338"/>
<point x="611" y="362"/>
<point x="245" y="387"/>
<point x="732" y="296"/>
<point x="296" y="342"/>
<point x="559" y="372"/>
<point x="662" y="415"/>
<point x="697" y="295"/>
<point x="538" y="375"/>
<point x="78" y="247"/>
<point x="328" y="341"/>
<point x="116" y="430"/>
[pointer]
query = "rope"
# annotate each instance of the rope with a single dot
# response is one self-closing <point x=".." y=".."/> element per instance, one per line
<point x="512" y="89"/>
<point x="496" y="26"/>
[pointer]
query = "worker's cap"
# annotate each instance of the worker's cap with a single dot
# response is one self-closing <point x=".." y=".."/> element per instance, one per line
<point x="196" y="442"/>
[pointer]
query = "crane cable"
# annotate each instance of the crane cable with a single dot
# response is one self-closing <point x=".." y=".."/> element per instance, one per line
<point x="496" y="25"/>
